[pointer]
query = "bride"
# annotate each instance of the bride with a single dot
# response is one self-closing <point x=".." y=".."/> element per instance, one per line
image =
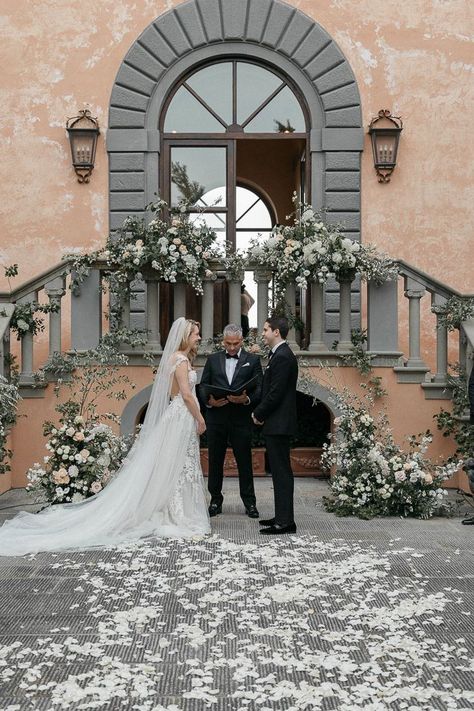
<point x="158" y="489"/>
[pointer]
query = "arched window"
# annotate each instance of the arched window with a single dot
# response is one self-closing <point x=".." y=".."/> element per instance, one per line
<point x="234" y="96"/>
<point x="227" y="127"/>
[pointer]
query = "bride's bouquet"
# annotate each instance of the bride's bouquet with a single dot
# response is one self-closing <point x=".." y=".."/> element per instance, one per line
<point x="82" y="458"/>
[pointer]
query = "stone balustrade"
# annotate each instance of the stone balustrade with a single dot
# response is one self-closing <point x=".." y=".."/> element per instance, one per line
<point x="381" y="321"/>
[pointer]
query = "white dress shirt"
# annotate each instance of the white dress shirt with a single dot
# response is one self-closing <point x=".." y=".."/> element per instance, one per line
<point x="230" y="366"/>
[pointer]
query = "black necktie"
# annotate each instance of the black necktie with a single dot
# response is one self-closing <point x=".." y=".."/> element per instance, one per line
<point x="270" y="356"/>
<point x="228" y="355"/>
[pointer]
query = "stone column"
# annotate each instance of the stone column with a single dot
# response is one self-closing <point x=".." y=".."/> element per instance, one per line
<point x="26" y="372"/>
<point x="179" y="297"/>
<point x="6" y="312"/>
<point x="438" y="304"/>
<point x="125" y="307"/>
<point x="290" y="298"/>
<point x="235" y="309"/>
<point x="345" y="343"/>
<point x="382" y="322"/>
<point x="153" y="313"/>
<point x="317" y="318"/>
<point x="207" y="315"/>
<point x="462" y="349"/>
<point x="262" y="279"/>
<point x="86" y="312"/>
<point x="55" y="290"/>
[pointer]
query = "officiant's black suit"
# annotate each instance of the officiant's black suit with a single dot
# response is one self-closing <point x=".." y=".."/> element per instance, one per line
<point x="231" y="423"/>
<point x="277" y="410"/>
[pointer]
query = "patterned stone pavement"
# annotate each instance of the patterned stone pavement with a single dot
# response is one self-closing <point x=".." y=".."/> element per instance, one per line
<point x="347" y="614"/>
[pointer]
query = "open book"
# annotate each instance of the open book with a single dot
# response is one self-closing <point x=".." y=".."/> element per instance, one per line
<point x="218" y="392"/>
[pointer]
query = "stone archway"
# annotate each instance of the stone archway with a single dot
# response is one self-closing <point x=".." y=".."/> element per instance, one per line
<point x="279" y="36"/>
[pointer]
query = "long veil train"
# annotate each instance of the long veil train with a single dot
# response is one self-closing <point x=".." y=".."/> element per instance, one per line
<point x="134" y="504"/>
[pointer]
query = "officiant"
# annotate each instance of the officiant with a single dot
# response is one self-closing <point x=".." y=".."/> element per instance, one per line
<point x="229" y="390"/>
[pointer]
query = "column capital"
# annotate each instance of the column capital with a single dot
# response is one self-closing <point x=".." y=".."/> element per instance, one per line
<point x="415" y="293"/>
<point x="262" y="276"/>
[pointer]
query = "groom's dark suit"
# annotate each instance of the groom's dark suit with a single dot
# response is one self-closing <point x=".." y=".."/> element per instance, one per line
<point x="277" y="410"/>
<point x="231" y="423"/>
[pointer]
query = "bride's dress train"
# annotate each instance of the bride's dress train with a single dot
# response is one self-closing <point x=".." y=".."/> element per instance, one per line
<point x="159" y="490"/>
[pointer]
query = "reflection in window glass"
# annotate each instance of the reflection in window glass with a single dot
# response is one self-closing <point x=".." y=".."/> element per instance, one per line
<point x="214" y="85"/>
<point x="217" y="222"/>
<point x="254" y="85"/>
<point x="195" y="171"/>
<point x="284" y="110"/>
<point x="186" y="115"/>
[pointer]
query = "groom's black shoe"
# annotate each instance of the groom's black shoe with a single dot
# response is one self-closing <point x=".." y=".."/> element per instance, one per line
<point x="276" y="529"/>
<point x="215" y="509"/>
<point x="252" y="512"/>
<point x="267" y="522"/>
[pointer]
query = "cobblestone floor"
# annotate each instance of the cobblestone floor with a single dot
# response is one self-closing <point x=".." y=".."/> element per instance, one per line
<point x="347" y="614"/>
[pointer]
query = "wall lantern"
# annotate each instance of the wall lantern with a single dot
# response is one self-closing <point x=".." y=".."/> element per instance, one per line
<point x="83" y="131"/>
<point x="385" y="131"/>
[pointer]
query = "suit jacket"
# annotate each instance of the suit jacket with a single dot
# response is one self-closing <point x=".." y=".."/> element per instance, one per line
<point x="277" y="408"/>
<point x="214" y="373"/>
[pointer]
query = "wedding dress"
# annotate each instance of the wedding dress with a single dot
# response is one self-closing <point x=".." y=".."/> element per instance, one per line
<point x="158" y="490"/>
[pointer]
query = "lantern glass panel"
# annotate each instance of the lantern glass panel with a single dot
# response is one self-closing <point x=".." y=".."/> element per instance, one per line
<point x="385" y="148"/>
<point x="82" y="147"/>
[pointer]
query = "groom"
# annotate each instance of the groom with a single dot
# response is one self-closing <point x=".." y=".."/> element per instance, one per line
<point x="276" y="413"/>
<point x="228" y="419"/>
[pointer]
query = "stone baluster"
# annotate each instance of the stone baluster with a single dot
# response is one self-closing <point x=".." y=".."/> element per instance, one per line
<point x="414" y="292"/>
<point x="207" y="315"/>
<point x="415" y="369"/>
<point x="179" y="300"/>
<point x="345" y="343"/>
<point x="290" y="298"/>
<point x="262" y="279"/>
<point x="153" y="313"/>
<point x="438" y="304"/>
<point x="317" y="318"/>
<point x="26" y="373"/>
<point x="55" y="291"/>
<point x="235" y="309"/>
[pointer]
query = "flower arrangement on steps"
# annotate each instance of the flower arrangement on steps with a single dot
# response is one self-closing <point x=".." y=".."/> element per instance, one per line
<point x="374" y="475"/>
<point x="83" y="450"/>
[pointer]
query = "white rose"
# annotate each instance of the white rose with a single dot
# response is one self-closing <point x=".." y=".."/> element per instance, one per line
<point x="70" y="431"/>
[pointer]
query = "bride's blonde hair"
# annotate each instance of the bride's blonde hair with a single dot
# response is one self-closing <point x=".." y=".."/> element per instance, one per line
<point x="186" y="335"/>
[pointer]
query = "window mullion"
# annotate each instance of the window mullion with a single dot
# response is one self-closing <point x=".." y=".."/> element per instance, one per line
<point x="262" y="105"/>
<point x="205" y="105"/>
<point x="231" y="193"/>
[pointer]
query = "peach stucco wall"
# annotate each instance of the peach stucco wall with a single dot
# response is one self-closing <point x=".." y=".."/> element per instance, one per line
<point x="414" y="58"/>
<point x="409" y="413"/>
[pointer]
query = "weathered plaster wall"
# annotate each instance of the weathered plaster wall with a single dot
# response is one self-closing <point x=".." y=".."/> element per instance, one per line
<point x="409" y="413"/>
<point x="415" y="58"/>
